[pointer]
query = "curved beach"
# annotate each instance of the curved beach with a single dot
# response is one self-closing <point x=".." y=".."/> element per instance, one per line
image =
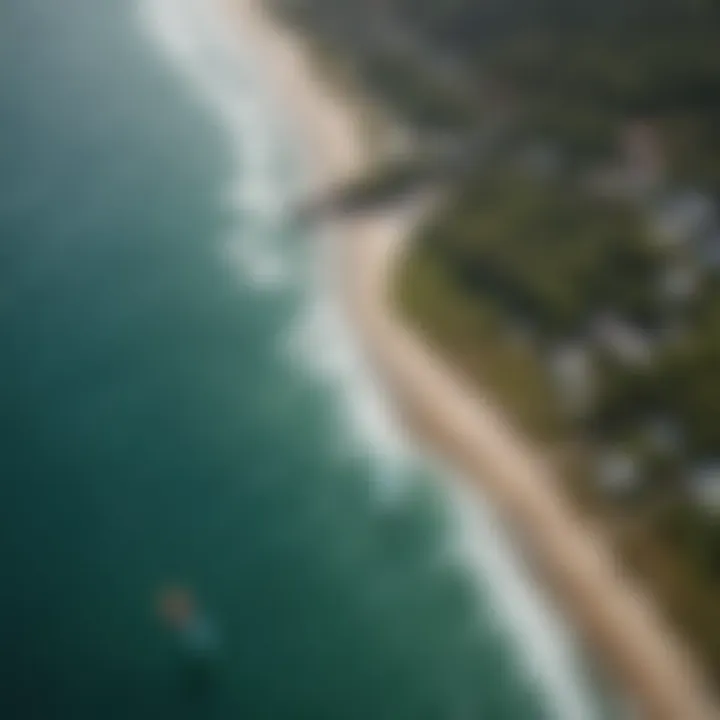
<point x="639" y="651"/>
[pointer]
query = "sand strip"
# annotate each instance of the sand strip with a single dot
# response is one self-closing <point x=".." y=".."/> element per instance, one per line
<point x="647" y="660"/>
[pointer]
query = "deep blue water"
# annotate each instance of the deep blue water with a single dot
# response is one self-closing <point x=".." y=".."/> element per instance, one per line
<point x="174" y="409"/>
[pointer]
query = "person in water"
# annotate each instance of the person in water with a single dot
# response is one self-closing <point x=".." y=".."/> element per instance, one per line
<point x="178" y="609"/>
<point x="198" y="638"/>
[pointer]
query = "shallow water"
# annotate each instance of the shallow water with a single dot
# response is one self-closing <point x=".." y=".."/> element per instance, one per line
<point x="180" y="402"/>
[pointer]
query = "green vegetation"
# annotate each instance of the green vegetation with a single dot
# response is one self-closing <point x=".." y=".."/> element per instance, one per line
<point x="545" y="253"/>
<point x="414" y="96"/>
<point x="470" y="331"/>
<point x="508" y="255"/>
<point x="523" y="261"/>
<point x="578" y="66"/>
<point x="568" y="69"/>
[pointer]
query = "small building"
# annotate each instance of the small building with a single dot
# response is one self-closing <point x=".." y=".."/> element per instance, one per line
<point x="679" y="282"/>
<point x="708" y="251"/>
<point x="572" y="373"/>
<point x="618" y="473"/>
<point x="643" y="157"/>
<point x="684" y="219"/>
<point x="639" y="169"/>
<point x="626" y="343"/>
<point x="704" y="487"/>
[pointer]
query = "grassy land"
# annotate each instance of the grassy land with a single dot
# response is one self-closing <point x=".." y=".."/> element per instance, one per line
<point x="481" y="346"/>
<point x="658" y="537"/>
<point x="510" y="255"/>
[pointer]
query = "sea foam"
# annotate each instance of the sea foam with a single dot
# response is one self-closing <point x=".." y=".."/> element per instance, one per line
<point x="205" y="51"/>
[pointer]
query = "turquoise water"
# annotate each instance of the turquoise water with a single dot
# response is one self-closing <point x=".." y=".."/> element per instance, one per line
<point x="179" y="403"/>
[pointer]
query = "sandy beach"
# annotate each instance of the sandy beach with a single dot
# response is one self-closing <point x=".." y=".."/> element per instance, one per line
<point x="646" y="659"/>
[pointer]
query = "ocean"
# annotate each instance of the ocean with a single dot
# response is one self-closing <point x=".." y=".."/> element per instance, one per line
<point x="183" y="405"/>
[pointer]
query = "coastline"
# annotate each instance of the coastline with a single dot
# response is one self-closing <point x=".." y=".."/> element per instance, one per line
<point x="647" y="661"/>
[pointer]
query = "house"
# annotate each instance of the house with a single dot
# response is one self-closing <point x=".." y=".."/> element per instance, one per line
<point x="679" y="281"/>
<point x="704" y="487"/>
<point x="643" y="157"/>
<point x="572" y="373"/>
<point x="639" y="169"/>
<point x="708" y="251"/>
<point x="684" y="220"/>
<point x="618" y="473"/>
<point x="626" y="343"/>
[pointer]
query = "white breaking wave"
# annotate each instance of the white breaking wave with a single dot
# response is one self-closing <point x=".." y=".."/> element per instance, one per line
<point x="187" y="32"/>
<point x="544" y="645"/>
<point x="206" y="53"/>
<point x="322" y="343"/>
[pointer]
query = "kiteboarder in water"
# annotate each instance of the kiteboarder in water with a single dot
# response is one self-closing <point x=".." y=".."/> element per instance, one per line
<point x="198" y="640"/>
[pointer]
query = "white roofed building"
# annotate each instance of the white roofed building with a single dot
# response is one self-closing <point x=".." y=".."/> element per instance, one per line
<point x="618" y="473"/>
<point x="572" y="372"/>
<point x="628" y="344"/>
<point x="704" y="487"/>
<point x="683" y="219"/>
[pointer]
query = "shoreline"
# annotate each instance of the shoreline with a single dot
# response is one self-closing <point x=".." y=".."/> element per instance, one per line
<point x="645" y="659"/>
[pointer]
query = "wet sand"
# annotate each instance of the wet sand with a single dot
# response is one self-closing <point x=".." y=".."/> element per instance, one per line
<point x="643" y="656"/>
